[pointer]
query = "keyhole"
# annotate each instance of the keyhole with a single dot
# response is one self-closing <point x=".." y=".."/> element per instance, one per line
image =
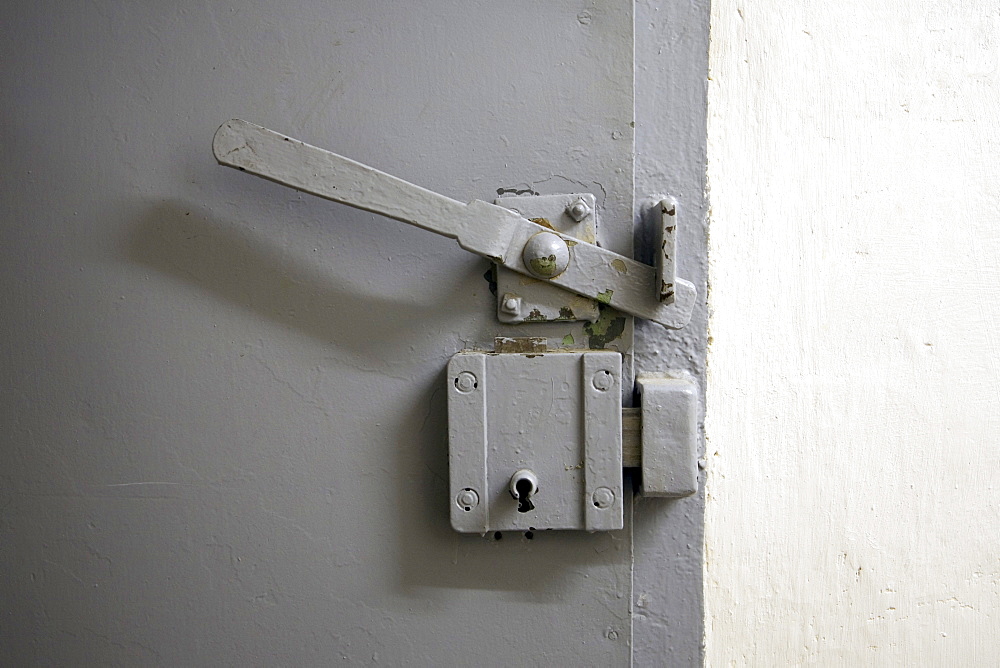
<point x="524" y="490"/>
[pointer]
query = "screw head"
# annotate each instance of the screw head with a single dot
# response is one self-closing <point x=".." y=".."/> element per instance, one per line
<point x="603" y="380"/>
<point x="466" y="382"/>
<point x="546" y="255"/>
<point x="467" y="499"/>
<point x="510" y="303"/>
<point x="578" y="209"/>
<point x="604" y="497"/>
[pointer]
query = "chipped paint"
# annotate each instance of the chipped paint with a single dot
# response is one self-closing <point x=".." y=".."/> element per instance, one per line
<point x="534" y="316"/>
<point x="520" y="344"/>
<point x="620" y="266"/>
<point x="608" y="327"/>
<point x="568" y="340"/>
<point x="566" y="313"/>
<point x="605" y="297"/>
<point x="543" y="266"/>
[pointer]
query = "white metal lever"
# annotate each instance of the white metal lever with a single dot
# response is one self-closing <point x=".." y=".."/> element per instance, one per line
<point x="485" y="229"/>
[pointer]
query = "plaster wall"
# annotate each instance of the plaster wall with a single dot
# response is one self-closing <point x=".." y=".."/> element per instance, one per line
<point x="853" y="399"/>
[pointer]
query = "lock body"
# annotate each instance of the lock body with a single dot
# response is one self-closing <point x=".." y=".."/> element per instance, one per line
<point x="546" y="422"/>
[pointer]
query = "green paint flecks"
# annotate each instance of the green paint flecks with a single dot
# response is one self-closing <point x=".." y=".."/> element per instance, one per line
<point x="608" y="327"/>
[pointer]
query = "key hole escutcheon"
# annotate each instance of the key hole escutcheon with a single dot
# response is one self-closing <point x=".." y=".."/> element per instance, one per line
<point x="524" y="485"/>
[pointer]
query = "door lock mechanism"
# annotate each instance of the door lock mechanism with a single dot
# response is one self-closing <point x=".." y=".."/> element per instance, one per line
<point x="540" y="440"/>
<point x="492" y="231"/>
<point x="537" y="440"/>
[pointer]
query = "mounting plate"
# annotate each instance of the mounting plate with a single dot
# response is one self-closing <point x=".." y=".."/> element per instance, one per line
<point x="522" y="298"/>
<point x="556" y="415"/>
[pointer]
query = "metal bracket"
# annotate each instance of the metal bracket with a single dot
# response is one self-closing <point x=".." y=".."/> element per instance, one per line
<point x="669" y="417"/>
<point x="523" y="298"/>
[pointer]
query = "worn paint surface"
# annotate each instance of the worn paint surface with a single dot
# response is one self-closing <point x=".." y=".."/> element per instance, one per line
<point x="520" y="344"/>
<point x="224" y="411"/>
<point x="854" y="396"/>
<point x="606" y="329"/>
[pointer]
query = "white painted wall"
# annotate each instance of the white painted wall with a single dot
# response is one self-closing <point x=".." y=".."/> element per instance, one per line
<point x="854" y="389"/>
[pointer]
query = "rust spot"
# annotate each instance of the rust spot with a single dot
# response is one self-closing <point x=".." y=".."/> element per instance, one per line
<point x="566" y="313"/>
<point x="520" y="344"/>
<point x="535" y="316"/>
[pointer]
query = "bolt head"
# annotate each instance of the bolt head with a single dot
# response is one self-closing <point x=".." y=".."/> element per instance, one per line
<point x="546" y="255"/>
<point x="604" y="497"/>
<point x="466" y="382"/>
<point x="510" y="304"/>
<point x="467" y="499"/>
<point x="603" y="380"/>
<point x="578" y="209"/>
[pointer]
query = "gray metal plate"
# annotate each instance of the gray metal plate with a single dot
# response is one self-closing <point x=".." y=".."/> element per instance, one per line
<point x="555" y="414"/>
<point x="534" y="299"/>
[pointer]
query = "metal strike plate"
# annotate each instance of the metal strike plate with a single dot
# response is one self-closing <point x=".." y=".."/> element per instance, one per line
<point x="669" y="428"/>
<point x="557" y="416"/>
<point x="522" y="298"/>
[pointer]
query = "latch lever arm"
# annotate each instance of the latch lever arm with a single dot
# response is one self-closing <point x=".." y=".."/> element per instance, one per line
<point x="485" y="229"/>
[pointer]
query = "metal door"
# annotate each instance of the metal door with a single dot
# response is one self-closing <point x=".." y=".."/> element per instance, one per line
<point x="226" y="431"/>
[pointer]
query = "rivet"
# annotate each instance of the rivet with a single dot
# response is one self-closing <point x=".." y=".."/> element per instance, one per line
<point x="603" y="380"/>
<point x="604" y="497"/>
<point x="466" y="382"/>
<point x="467" y="499"/>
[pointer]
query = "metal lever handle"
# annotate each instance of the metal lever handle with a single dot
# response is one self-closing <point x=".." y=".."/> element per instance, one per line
<point x="492" y="231"/>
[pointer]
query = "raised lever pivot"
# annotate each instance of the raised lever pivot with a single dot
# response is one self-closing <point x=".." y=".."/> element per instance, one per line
<point x="485" y="229"/>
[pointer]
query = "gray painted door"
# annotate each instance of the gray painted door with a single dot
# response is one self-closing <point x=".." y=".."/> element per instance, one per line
<point x="225" y="426"/>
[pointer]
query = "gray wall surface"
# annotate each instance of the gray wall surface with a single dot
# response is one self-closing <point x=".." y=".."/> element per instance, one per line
<point x="224" y="426"/>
